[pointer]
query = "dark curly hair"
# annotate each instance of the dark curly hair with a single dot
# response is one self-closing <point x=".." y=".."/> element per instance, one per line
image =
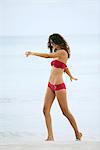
<point x="58" y="40"/>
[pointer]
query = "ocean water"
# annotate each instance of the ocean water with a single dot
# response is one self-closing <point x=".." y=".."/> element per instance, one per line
<point x="23" y="83"/>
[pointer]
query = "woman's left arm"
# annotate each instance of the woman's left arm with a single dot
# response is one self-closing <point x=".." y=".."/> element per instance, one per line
<point x="45" y="55"/>
<point x="67" y="71"/>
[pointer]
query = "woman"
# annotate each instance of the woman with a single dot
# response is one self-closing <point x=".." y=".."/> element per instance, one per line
<point x="56" y="86"/>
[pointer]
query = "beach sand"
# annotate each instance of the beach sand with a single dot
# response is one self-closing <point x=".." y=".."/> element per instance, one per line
<point x="74" y="145"/>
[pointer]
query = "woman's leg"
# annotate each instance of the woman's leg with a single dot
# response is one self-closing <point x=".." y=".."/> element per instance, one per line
<point x="49" y="98"/>
<point x="62" y="100"/>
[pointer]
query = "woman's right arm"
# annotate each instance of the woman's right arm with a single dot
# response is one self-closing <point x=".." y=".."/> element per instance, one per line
<point x="45" y="55"/>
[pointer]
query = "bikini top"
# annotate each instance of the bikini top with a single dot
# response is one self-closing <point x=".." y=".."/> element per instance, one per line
<point x="58" y="64"/>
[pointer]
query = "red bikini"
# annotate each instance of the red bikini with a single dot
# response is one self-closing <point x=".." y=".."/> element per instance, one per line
<point x="56" y="87"/>
<point x="57" y="64"/>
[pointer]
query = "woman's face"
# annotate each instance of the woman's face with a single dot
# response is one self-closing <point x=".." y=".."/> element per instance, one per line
<point x="53" y="44"/>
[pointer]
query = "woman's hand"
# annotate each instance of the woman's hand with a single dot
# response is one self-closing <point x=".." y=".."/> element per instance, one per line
<point x="72" y="78"/>
<point x="27" y="53"/>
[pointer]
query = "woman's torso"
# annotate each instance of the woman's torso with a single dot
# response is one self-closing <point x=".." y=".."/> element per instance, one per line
<point x="56" y="74"/>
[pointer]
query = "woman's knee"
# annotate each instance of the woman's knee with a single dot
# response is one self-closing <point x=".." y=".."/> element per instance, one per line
<point x="46" y="111"/>
<point x="66" y="113"/>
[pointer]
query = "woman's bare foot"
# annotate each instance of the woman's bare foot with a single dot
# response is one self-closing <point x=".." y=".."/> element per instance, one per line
<point x="79" y="136"/>
<point x="50" y="139"/>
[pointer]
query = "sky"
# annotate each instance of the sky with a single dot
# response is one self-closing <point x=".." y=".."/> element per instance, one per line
<point x="42" y="17"/>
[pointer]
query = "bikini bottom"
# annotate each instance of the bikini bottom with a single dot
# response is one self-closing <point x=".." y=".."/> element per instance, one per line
<point x="56" y="87"/>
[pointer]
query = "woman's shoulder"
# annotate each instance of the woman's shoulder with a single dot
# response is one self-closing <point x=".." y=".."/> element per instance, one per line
<point x="63" y="52"/>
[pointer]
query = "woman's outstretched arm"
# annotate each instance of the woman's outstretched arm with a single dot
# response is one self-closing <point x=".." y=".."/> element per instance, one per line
<point x="67" y="71"/>
<point x="45" y="55"/>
